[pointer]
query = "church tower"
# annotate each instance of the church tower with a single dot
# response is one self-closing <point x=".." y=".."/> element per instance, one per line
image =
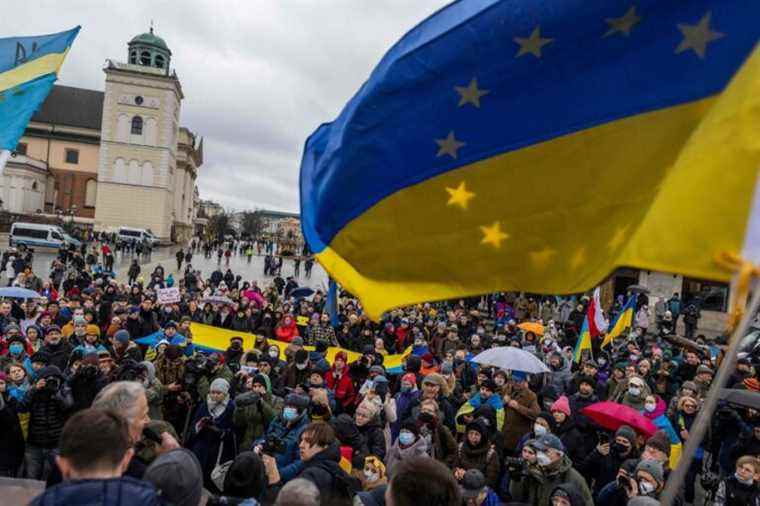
<point x="138" y="147"/>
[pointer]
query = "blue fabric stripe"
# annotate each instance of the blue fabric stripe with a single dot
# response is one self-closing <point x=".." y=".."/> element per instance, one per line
<point x="383" y="140"/>
<point x="34" y="47"/>
<point x="17" y="107"/>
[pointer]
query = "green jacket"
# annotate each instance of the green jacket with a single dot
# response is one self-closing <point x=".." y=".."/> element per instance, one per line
<point x="252" y="420"/>
<point x="536" y="488"/>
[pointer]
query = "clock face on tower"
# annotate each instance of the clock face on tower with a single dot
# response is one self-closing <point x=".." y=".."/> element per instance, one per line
<point x="138" y="100"/>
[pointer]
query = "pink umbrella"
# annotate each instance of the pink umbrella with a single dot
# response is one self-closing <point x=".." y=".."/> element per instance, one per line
<point x="612" y="415"/>
<point x="254" y="297"/>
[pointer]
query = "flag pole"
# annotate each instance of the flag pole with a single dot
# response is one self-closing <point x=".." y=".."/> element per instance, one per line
<point x="677" y="477"/>
<point x="4" y="156"/>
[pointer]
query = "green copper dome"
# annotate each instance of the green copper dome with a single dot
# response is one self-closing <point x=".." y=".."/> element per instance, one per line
<point x="150" y="39"/>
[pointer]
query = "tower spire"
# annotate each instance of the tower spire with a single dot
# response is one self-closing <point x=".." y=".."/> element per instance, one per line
<point x="151" y="26"/>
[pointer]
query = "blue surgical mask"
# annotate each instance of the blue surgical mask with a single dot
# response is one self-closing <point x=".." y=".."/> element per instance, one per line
<point x="16" y="348"/>
<point x="289" y="413"/>
<point x="406" y="438"/>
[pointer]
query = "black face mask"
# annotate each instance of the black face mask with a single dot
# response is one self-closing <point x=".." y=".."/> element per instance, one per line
<point x="618" y="448"/>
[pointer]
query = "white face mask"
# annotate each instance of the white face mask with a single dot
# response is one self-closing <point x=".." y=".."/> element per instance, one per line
<point x="538" y="429"/>
<point x="370" y="476"/>
<point x="646" y="488"/>
<point x="543" y="459"/>
<point x="744" y="482"/>
<point x="301" y="367"/>
<point x="274" y="354"/>
<point x="649" y="407"/>
<point x="634" y="391"/>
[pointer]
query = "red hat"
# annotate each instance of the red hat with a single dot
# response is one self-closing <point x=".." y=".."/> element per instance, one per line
<point x="428" y="357"/>
<point x="562" y="405"/>
<point x="409" y="377"/>
<point x="342" y="355"/>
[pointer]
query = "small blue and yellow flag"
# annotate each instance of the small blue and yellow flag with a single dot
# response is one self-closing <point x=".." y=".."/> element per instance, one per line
<point x="583" y="342"/>
<point x="538" y="145"/>
<point x="623" y="321"/>
<point x="28" y="68"/>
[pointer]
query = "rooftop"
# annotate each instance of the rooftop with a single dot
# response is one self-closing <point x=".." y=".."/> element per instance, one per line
<point x="76" y="107"/>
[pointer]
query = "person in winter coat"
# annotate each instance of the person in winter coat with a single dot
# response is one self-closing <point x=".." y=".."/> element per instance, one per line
<point x="603" y="463"/>
<point x="12" y="443"/>
<point x="406" y="394"/>
<point x="353" y="447"/>
<point x="553" y="467"/>
<point x="560" y="376"/>
<point x="584" y="397"/>
<point x="368" y="421"/>
<point x="286" y="330"/>
<point x="254" y="410"/>
<point x="287" y="428"/>
<point x="56" y="349"/>
<point x="566" y="430"/>
<point x="520" y="409"/>
<point x="440" y="441"/>
<point x="218" y="370"/>
<point x="486" y="395"/>
<point x="635" y="394"/>
<point x="567" y="494"/>
<point x="408" y="445"/>
<point x="212" y="437"/>
<point x="475" y="452"/>
<point x="48" y="404"/>
<point x="339" y="382"/>
<point x="740" y="488"/>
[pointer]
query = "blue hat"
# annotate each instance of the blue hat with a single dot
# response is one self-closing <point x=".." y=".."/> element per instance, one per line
<point x="519" y="376"/>
<point x="549" y="441"/>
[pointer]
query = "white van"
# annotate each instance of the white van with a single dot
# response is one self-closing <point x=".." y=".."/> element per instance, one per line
<point x="130" y="234"/>
<point x="40" y="235"/>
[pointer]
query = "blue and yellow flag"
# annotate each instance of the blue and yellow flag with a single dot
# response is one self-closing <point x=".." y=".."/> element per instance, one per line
<point x="28" y="68"/>
<point x="623" y="321"/>
<point x="538" y="145"/>
<point x="583" y="343"/>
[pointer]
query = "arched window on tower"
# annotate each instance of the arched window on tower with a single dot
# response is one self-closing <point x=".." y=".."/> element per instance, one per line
<point x="159" y="61"/>
<point x="133" y="57"/>
<point x="90" y="193"/>
<point x="145" y="58"/>
<point x="137" y="125"/>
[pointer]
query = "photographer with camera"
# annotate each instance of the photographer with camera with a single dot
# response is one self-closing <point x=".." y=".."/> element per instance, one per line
<point x="48" y="402"/>
<point x="254" y="409"/>
<point x="603" y="463"/>
<point x="170" y="372"/>
<point x="215" y="369"/>
<point x="283" y="434"/>
<point x="86" y="380"/>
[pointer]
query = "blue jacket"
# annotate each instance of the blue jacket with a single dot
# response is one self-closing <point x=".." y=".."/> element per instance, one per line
<point x="123" y="491"/>
<point x="288" y="462"/>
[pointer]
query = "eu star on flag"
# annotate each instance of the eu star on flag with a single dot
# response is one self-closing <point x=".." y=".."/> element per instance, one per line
<point x="537" y="146"/>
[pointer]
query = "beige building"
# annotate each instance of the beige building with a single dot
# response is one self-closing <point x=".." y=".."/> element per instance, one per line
<point x="113" y="158"/>
<point x="148" y="164"/>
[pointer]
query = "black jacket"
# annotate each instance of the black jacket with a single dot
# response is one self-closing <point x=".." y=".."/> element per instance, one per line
<point x="59" y="354"/>
<point x="375" y="439"/>
<point x="12" y="443"/>
<point x="124" y="491"/>
<point x="47" y="414"/>
<point x="324" y="471"/>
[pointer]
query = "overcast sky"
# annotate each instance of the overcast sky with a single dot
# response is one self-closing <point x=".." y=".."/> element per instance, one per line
<point x="258" y="75"/>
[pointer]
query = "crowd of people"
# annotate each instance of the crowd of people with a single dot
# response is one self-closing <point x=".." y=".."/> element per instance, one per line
<point x="104" y="394"/>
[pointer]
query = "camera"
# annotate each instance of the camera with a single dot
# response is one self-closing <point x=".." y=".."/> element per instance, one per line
<point x="87" y="371"/>
<point x="52" y="384"/>
<point x="623" y="483"/>
<point x="272" y="446"/>
<point x="515" y="465"/>
<point x="710" y="481"/>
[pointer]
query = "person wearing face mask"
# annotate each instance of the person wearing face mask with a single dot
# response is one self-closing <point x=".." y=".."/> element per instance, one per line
<point x="287" y="428"/>
<point x="212" y="438"/>
<point x="565" y="428"/>
<point x="18" y="348"/>
<point x="368" y="421"/>
<point x="740" y="488"/>
<point x="234" y="353"/>
<point x="520" y="409"/>
<point x="560" y="376"/>
<point x="654" y="410"/>
<point x="56" y="349"/>
<point x="373" y="474"/>
<point x="296" y="372"/>
<point x="604" y="461"/>
<point x="583" y="398"/>
<point x="476" y="452"/>
<point x="687" y="414"/>
<point x="553" y="467"/>
<point x="649" y="480"/>
<point x="339" y="382"/>
<point x="407" y="394"/>
<point x="635" y="393"/>
<point x="408" y="445"/>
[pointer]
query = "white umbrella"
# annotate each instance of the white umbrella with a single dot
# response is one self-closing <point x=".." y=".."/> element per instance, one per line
<point x="514" y="359"/>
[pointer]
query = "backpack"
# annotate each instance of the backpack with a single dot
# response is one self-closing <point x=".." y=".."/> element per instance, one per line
<point x="344" y="485"/>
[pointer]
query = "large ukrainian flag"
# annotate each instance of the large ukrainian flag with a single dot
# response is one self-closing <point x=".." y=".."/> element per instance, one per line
<point x="537" y="145"/>
<point x="28" y="68"/>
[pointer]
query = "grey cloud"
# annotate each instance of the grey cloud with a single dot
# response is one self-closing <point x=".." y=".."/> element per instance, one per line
<point x="258" y="76"/>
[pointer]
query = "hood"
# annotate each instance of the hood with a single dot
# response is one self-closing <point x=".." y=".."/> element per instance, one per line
<point x="573" y="492"/>
<point x="125" y="491"/>
<point x="659" y="410"/>
<point x="151" y="370"/>
<point x="331" y="453"/>
<point x="345" y="428"/>
<point x="49" y="371"/>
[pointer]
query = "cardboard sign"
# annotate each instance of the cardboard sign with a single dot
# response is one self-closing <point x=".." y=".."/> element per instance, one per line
<point x="168" y="295"/>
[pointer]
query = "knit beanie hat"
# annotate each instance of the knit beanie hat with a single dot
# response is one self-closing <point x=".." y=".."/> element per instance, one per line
<point x="562" y="405"/>
<point x="628" y="433"/>
<point x="220" y="385"/>
<point x="660" y="441"/>
<point x="652" y="467"/>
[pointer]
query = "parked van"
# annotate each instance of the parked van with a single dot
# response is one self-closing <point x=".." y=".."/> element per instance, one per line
<point x="129" y="234"/>
<point x="40" y="235"/>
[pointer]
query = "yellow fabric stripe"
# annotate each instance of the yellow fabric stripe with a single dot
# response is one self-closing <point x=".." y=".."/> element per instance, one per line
<point x="49" y="63"/>
<point x="663" y="191"/>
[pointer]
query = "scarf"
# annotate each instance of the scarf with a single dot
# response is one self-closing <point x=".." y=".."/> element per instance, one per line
<point x="216" y="409"/>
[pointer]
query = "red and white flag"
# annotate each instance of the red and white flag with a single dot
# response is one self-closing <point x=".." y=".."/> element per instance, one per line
<point x="597" y="323"/>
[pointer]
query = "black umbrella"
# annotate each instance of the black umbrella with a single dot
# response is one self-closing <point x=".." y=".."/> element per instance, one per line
<point x="746" y="398"/>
